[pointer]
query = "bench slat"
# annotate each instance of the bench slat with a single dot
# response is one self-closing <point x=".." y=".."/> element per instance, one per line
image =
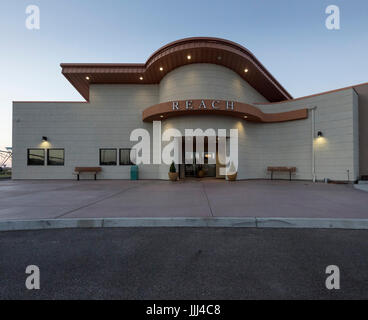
<point x="281" y="169"/>
<point x="95" y="170"/>
<point x="285" y="169"/>
<point x="88" y="169"/>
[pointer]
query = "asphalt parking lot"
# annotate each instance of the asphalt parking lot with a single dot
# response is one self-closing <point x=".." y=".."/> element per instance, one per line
<point x="184" y="263"/>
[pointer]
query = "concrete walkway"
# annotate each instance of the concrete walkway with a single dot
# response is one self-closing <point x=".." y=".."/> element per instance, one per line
<point x="65" y="199"/>
<point x="361" y="186"/>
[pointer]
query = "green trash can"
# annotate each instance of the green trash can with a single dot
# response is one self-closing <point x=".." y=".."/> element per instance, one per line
<point x="134" y="173"/>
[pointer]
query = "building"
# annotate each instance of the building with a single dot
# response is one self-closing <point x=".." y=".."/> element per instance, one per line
<point x="192" y="83"/>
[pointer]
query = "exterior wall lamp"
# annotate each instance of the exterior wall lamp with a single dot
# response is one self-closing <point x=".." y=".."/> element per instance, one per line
<point x="44" y="138"/>
<point x="319" y="134"/>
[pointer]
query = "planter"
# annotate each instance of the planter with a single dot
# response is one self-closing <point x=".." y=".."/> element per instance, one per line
<point x="231" y="177"/>
<point x="173" y="176"/>
<point x="200" y="174"/>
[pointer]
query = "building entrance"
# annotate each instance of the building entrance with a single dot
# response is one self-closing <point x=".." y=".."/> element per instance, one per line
<point x="200" y="165"/>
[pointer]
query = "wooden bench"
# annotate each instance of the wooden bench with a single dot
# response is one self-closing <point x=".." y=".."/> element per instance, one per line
<point x="281" y="169"/>
<point x="79" y="170"/>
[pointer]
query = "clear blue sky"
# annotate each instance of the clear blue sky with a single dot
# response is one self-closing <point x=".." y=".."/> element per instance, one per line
<point x="288" y="36"/>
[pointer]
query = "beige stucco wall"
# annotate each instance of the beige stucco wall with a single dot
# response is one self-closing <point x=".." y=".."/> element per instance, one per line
<point x="356" y="138"/>
<point x="82" y="129"/>
<point x="363" y="135"/>
<point x="206" y="81"/>
<point x="115" y="110"/>
<point x="335" y="153"/>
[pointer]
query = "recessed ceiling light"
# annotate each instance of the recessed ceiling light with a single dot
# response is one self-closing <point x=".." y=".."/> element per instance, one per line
<point x="161" y="69"/>
<point x="87" y="78"/>
<point x="189" y="57"/>
<point x="140" y="78"/>
<point x="245" y="117"/>
<point x="246" y="70"/>
<point x="219" y="58"/>
<point x="161" y="116"/>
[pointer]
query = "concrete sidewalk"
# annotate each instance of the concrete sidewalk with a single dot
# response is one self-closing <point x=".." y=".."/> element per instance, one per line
<point x="362" y="186"/>
<point x="65" y="199"/>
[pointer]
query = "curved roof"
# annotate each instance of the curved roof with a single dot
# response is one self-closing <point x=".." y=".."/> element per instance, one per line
<point x="173" y="55"/>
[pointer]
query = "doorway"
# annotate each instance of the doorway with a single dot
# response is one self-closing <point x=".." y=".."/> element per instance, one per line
<point x="201" y="165"/>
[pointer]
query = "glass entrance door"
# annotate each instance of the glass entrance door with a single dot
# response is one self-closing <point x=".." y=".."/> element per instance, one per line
<point x="190" y="170"/>
<point x="209" y="168"/>
<point x="200" y="168"/>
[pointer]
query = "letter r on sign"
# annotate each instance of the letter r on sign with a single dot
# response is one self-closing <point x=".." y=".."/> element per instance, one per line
<point x="175" y="105"/>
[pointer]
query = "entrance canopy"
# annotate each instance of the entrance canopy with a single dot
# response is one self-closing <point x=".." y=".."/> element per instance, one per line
<point x="219" y="107"/>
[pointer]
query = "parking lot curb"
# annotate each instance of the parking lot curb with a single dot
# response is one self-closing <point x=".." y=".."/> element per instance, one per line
<point x="314" y="223"/>
<point x="249" y="222"/>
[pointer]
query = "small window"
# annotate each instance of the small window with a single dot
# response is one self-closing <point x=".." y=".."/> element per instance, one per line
<point x="126" y="157"/>
<point x="55" y="157"/>
<point x="107" y="157"/>
<point x="36" y="157"/>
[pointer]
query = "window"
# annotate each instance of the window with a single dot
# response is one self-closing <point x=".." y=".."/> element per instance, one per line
<point x="55" y="157"/>
<point x="125" y="159"/>
<point x="107" y="157"/>
<point x="36" y="157"/>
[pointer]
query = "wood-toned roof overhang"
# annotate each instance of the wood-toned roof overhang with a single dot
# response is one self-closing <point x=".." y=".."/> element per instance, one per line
<point x="173" y="55"/>
<point x="244" y="111"/>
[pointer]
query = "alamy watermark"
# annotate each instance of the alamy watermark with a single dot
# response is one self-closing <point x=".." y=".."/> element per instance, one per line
<point x="32" y="17"/>
<point x="333" y="19"/>
<point x="333" y="280"/>
<point x="222" y="148"/>
<point x="32" y="21"/>
<point x="33" y="280"/>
